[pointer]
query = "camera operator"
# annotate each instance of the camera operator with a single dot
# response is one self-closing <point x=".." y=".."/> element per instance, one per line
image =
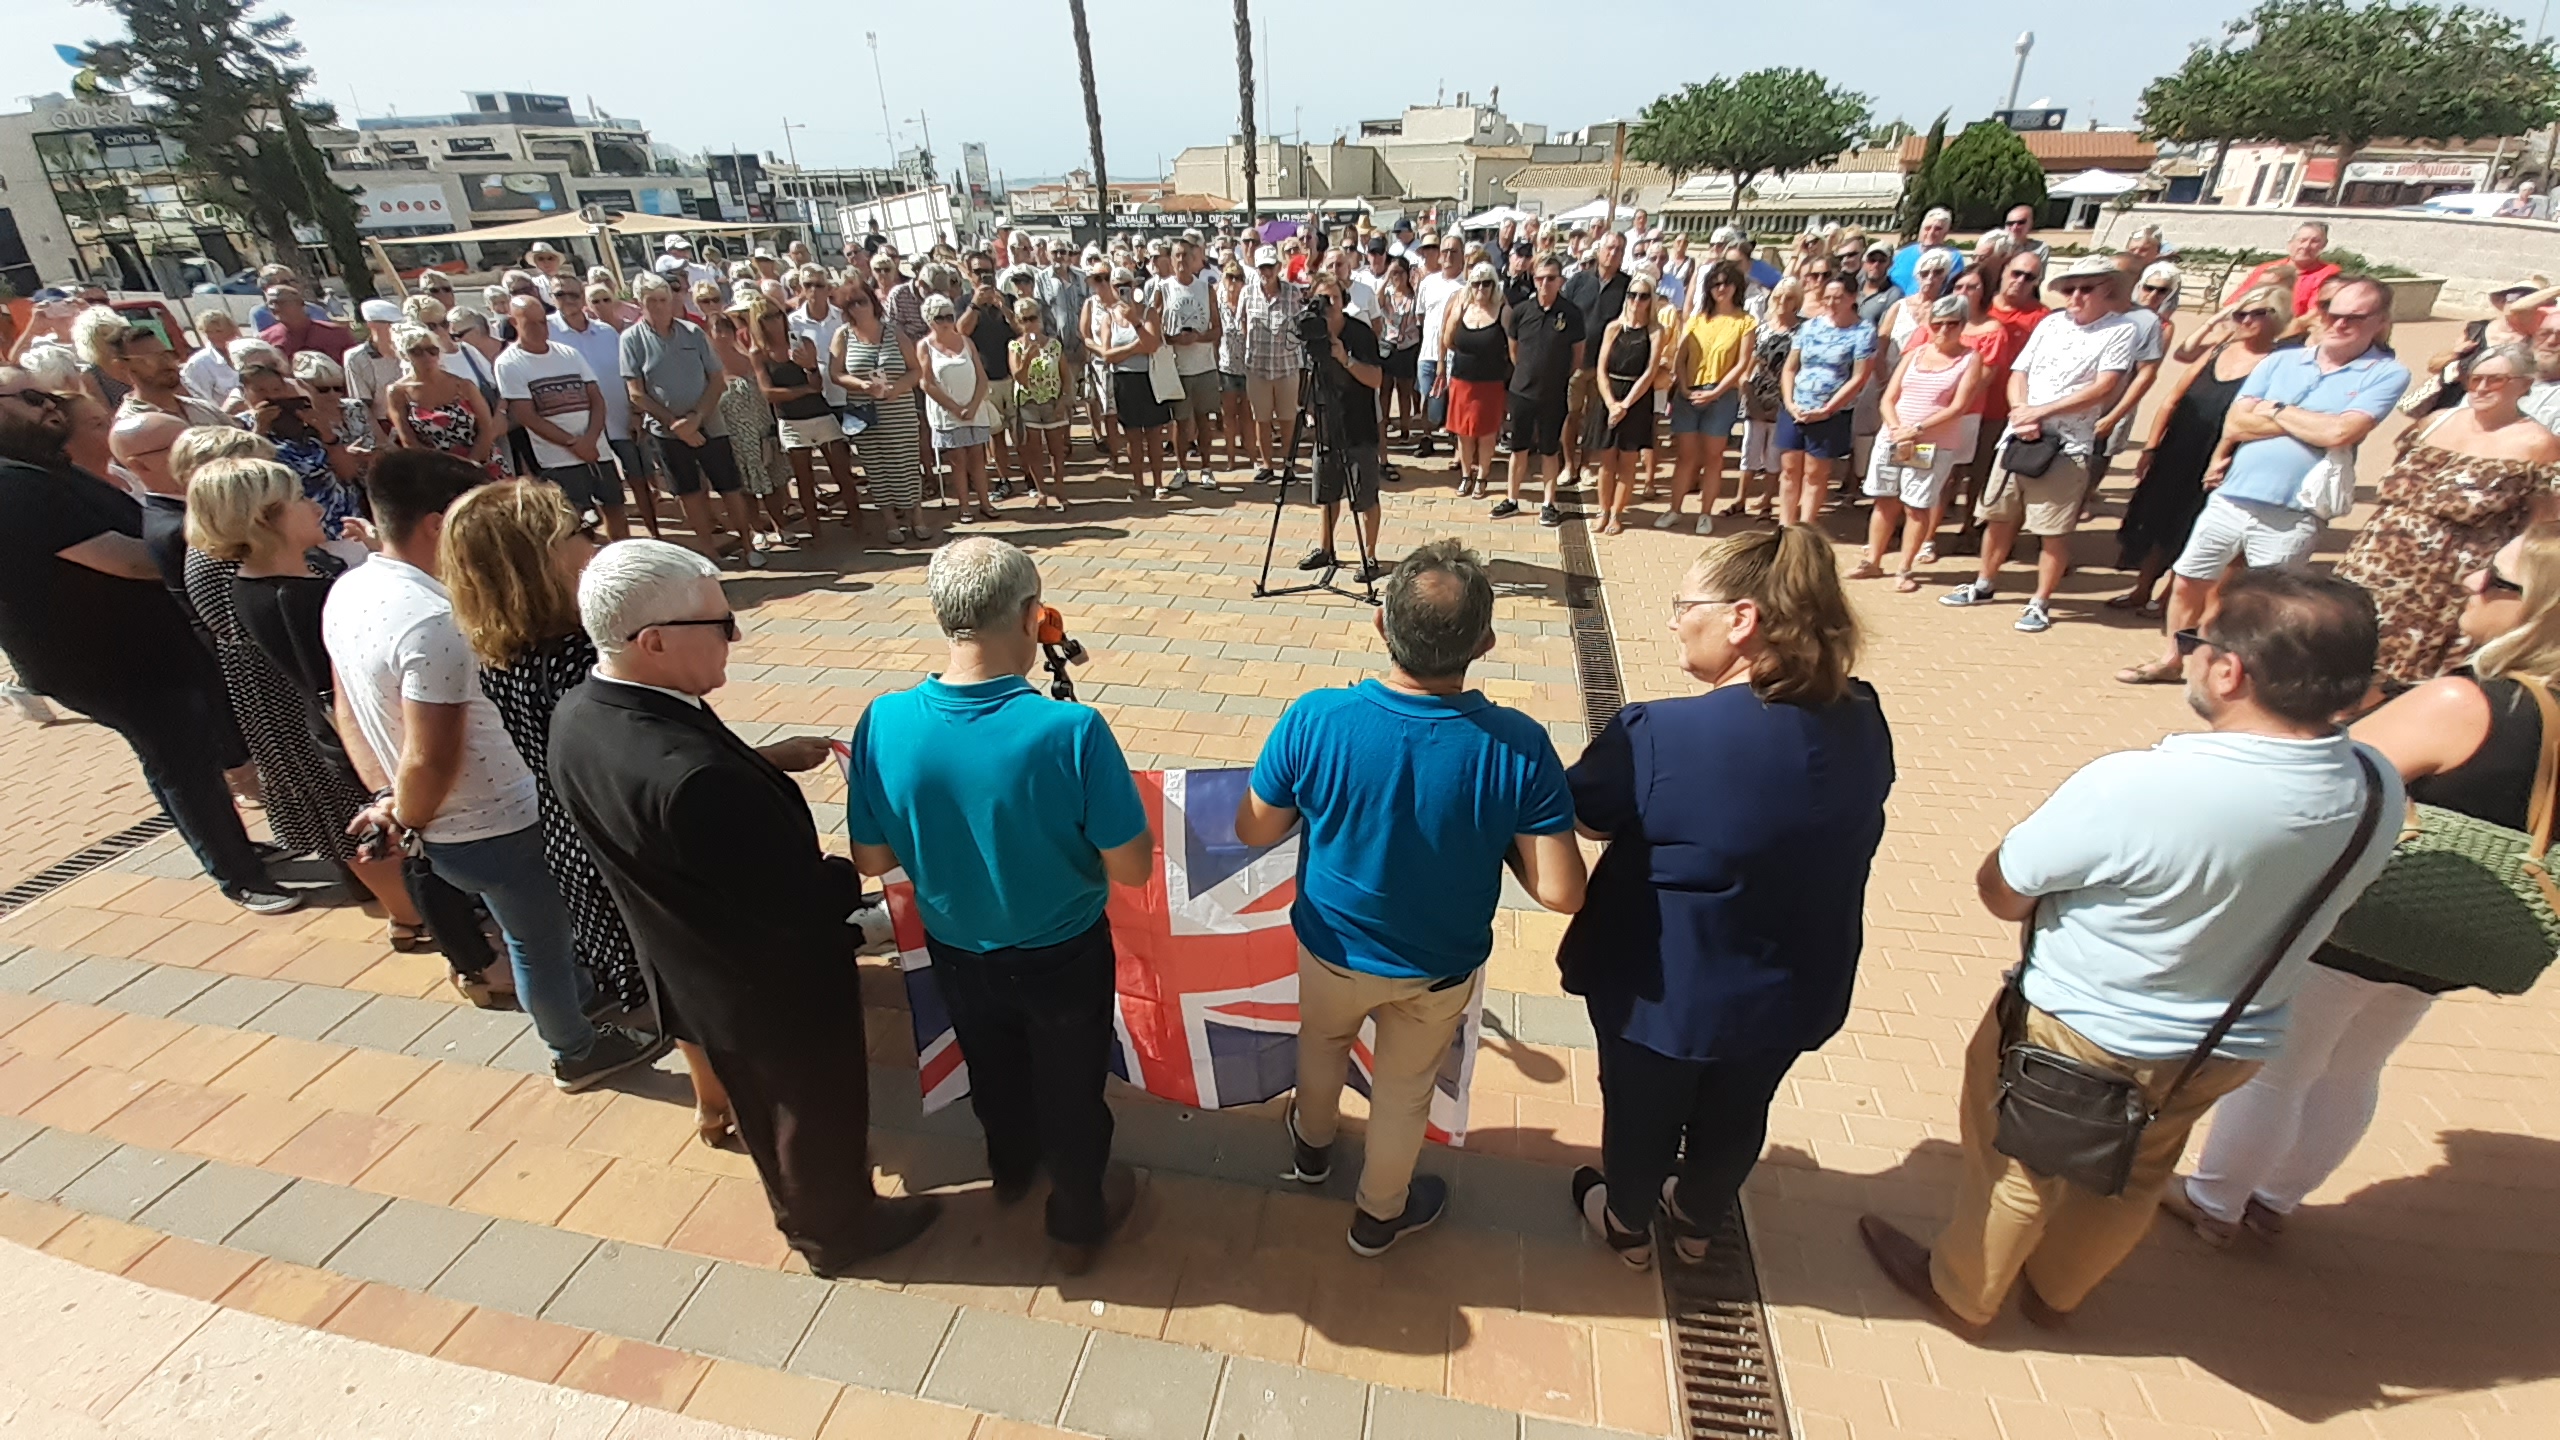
<point x="1347" y="377"/>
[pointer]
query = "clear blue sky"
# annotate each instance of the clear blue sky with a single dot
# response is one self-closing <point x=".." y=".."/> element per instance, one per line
<point x="722" y="73"/>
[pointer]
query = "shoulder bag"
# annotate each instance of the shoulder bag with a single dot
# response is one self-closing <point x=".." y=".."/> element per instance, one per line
<point x="2031" y="458"/>
<point x="2466" y="901"/>
<point x="2063" y="1117"/>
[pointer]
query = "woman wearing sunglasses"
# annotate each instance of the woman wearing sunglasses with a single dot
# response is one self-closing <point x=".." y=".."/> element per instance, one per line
<point x="2168" y="474"/>
<point x="2464" y="485"/>
<point x="2469" y="742"/>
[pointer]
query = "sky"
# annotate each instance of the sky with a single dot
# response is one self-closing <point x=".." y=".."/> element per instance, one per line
<point x="726" y="74"/>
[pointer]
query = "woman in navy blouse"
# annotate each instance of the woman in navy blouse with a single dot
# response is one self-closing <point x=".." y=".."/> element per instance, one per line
<point x="1722" y="930"/>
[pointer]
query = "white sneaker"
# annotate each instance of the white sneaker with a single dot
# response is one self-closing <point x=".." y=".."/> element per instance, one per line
<point x="1706" y="523"/>
<point x="1179" y="479"/>
<point x="1666" y="520"/>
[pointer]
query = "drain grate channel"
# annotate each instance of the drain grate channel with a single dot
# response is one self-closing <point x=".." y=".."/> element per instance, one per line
<point x="1721" y="1359"/>
<point x="62" y="872"/>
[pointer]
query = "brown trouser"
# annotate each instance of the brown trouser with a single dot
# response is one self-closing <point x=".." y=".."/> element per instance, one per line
<point x="2065" y="1239"/>
<point x="1416" y="1025"/>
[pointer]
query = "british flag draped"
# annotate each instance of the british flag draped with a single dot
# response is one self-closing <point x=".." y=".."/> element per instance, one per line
<point x="1207" y="1008"/>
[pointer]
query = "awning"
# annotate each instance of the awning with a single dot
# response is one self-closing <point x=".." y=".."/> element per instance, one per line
<point x="2093" y="185"/>
<point x="1493" y="219"/>
<point x="1592" y="211"/>
<point x="571" y="227"/>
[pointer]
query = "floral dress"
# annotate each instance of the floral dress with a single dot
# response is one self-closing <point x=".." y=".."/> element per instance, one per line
<point x="2440" y="516"/>
<point x="453" y="429"/>
<point x="761" y="464"/>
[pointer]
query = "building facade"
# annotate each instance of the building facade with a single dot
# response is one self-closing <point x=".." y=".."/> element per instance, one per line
<point x="91" y="190"/>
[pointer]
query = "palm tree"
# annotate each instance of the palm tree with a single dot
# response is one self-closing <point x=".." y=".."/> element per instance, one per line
<point x="1244" y="95"/>
<point x="1092" y="120"/>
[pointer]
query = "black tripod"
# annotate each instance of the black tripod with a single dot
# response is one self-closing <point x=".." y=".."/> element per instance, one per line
<point x="1314" y="401"/>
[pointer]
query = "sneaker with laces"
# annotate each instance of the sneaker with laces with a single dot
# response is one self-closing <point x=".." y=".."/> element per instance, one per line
<point x="617" y="1049"/>
<point x="1319" y="559"/>
<point x="2034" y="620"/>
<point x="1706" y="523"/>
<point x="1506" y="508"/>
<point x="1424" y="1200"/>
<point x="1550" y="516"/>
<point x="1308" y="1164"/>
<point x="265" y="899"/>
<point x="1971" y="592"/>
<point x="1177" y="480"/>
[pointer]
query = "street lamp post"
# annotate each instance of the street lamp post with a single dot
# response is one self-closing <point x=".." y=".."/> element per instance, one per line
<point x="888" y="137"/>
<point x="2018" y="76"/>
<point x="792" y="149"/>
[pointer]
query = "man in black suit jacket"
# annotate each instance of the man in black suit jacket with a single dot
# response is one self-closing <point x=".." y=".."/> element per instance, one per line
<point x="711" y="854"/>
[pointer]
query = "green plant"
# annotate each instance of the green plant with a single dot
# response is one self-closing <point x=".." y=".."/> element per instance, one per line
<point x="1984" y="171"/>
<point x="1768" y="122"/>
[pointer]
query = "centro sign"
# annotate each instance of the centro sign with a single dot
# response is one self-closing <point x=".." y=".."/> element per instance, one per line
<point x="94" y="117"/>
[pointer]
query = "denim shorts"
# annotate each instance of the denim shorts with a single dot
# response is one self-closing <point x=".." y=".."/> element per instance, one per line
<point x="1824" y="439"/>
<point x="1716" y="417"/>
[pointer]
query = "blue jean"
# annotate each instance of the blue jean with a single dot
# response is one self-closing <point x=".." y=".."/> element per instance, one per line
<point x="1435" y="408"/>
<point x="508" y="874"/>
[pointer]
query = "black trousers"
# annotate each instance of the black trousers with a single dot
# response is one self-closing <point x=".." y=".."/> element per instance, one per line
<point x="176" y="728"/>
<point x="452" y="916"/>
<point x="1706" y="1118"/>
<point x="1035" y="1025"/>
<point x="804" y="1113"/>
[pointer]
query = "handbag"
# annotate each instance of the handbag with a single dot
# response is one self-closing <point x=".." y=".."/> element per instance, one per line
<point x="2329" y="491"/>
<point x="1163" y="376"/>
<point x="2065" y="1118"/>
<point x="2464" y="900"/>
<point x="2031" y="458"/>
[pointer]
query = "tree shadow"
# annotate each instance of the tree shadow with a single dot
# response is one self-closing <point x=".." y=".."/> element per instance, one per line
<point x="2431" y="1284"/>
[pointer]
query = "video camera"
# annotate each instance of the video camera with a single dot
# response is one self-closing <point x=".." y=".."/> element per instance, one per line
<point x="1315" y="331"/>
<point x="1058" y="650"/>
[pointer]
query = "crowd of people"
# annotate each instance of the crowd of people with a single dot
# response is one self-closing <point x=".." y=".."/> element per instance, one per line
<point x="388" y="589"/>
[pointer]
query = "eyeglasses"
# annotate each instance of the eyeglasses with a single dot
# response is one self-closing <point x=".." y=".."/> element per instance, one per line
<point x="2350" y="317"/>
<point x="1682" y="605"/>
<point x="33" y="396"/>
<point x="2189" y="641"/>
<point x="2479" y="378"/>
<point x="728" y="627"/>
<point x="2025" y="272"/>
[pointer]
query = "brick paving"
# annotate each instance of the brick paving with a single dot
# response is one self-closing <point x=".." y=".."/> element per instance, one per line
<point x="190" y="1095"/>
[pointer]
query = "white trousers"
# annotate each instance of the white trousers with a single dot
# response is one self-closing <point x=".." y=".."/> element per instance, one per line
<point x="2285" y="1132"/>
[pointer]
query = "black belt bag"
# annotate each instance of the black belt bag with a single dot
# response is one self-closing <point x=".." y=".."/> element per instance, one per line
<point x="2031" y="458"/>
<point x="2065" y="1118"/>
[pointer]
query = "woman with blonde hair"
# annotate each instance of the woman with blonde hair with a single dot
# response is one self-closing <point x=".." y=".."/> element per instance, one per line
<point x="252" y="534"/>
<point x="870" y="366"/>
<point x="762" y="470"/>
<point x="1630" y="351"/>
<point x="1720" y="936"/>
<point x="511" y="555"/>
<point x="1763" y="393"/>
<point x="1931" y="410"/>
<point x="791" y="375"/>
<point x="432" y="408"/>
<point x="2470" y="742"/>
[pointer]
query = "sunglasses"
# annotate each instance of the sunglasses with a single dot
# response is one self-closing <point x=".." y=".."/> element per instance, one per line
<point x="2025" y="272"/>
<point x="33" y="396"/>
<point x="728" y="627"/>
<point x="2189" y="641"/>
<point x="2491" y="580"/>
<point x="2260" y="313"/>
<point x="2154" y="289"/>
<point x="2350" y="317"/>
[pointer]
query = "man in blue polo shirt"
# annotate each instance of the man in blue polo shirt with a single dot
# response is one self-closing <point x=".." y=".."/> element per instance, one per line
<point x="1416" y="792"/>
<point x="2297" y="407"/>
<point x="1012" y="813"/>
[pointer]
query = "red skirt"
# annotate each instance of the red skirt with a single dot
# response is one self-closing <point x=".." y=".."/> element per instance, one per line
<point x="1475" y="407"/>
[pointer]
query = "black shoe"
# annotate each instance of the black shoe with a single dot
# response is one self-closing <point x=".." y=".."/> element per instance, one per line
<point x="616" y="1049"/>
<point x="1550" y="516"/>
<point x="1264" y="476"/>
<point x="1010" y="1192"/>
<point x="263" y="899"/>
<point x="1423" y="450"/>
<point x="1319" y="559"/>
<point x="1504" y="509"/>
<point x="1308" y="1164"/>
<point x="1371" y="571"/>
<point x="1424" y="1200"/>
<point x="1119" y="1197"/>
<point x="895" y="1221"/>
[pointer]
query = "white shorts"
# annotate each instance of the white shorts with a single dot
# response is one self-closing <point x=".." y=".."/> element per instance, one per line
<point x="1760" y="446"/>
<point x="2265" y="537"/>
<point x="1919" y="486"/>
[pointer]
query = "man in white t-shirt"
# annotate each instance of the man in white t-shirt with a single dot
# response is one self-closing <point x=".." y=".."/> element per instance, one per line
<point x="2072" y="365"/>
<point x="816" y="320"/>
<point x="1187" y="303"/>
<point x="578" y="328"/>
<point x="410" y="706"/>
<point x="553" y="396"/>
<point x="2157" y="883"/>
<point x="1444" y="278"/>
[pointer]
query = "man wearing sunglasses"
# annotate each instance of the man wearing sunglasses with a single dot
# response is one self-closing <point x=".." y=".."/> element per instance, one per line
<point x="710" y="853"/>
<point x="85" y="619"/>
<point x="2302" y="408"/>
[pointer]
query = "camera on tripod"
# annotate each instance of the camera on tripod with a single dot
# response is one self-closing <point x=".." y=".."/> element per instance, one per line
<point x="1315" y="331"/>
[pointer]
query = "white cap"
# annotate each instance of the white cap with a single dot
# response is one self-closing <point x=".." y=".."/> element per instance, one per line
<point x="676" y="242"/>
<point x="762" y="252"/>
<point x="542" y="247"/>
<point x="1265" y="255"/>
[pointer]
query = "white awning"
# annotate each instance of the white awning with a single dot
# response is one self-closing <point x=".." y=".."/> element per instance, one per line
<point x="1593" y="211"/>
<point x="2093" y="185"/>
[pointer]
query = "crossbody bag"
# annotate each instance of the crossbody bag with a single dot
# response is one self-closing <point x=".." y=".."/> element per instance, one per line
<point x="2063" y="1117"/>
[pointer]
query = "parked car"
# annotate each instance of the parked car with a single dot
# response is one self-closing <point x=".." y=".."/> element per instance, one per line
<point x="2468" y="202"/>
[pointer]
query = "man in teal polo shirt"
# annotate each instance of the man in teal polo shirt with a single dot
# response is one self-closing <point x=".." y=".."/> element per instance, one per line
<point x="2299" y="404"/>
<point x="1012" y="813"/>
<point x="1416" y="792"/>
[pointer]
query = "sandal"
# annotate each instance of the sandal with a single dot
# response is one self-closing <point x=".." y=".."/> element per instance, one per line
<point x="1689" y="1239"/>
<point x="988" y="512"/>
<point x="1867" y="570"/>
<point x="1591" y="1202"/>
<point x="410" y="939"/>
<point x="2154" y="610"/>
<point x="714" y="1127"/>
<point x="482" y="995"/>
<point x="2129" y="600"/>
<point x="1906" y="583"/>
<point x="1928" y="553"/>
<point x="2152" y="672"/>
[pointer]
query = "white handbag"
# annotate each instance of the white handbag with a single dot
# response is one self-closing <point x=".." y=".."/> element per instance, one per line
<point x="2329" y="491"/>
<point x="1162" y="374"/>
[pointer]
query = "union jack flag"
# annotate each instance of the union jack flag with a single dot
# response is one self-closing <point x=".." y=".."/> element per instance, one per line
<point x="1207" y="1010"/>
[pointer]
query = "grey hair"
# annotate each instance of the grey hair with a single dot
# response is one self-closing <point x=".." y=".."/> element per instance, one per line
<point x="423" y="310"/>
<point x="645" y="283"/>
<point x="53" y="366"/>
<point x="1439" y="608"/>
<point x="938" y="276"/>
<point x="1935" y="260"/>
<point x="1940" y="214"/>
<point x="633" y="584"/>
<point x="980" y="583"/>
<point x="99" y="333"/>
<point x="313" y="368"/>
<point x="405" y="338"/>
<point x="2322" y="226"/>
<point x="248" y="352"/>
<point x="468" y="317"/>
<point x="812" y="274"/>
<point x="2153" y="234"/>
<point x="939" y="307"/>
<point x="511" y="279"/>
<point x="2515" y="352"/>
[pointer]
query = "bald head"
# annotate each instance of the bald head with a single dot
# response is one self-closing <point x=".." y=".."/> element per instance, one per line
<point x="533" y="328"/>
<point x="141" y="442"/>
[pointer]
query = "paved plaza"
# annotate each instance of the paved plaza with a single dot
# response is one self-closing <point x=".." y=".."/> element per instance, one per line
<point x="281" y="1176"/>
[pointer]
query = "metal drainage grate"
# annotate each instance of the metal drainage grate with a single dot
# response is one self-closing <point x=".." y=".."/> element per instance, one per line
<point x="1721" y="1360"/>
<point x="62" y="872"/>
<point x="1727" y="1375"/>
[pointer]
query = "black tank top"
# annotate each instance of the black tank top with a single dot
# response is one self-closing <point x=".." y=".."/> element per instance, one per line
<point x="1629" y="355"/>
<point x="1479" y="352"/>
<point x="2496" y="783"/>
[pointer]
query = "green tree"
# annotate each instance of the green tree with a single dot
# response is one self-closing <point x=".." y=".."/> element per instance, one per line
<point x="2313" y="72"/>
<point x="1768" y="122"/>
<point x="1922" y="191"/>
<point x="1986" y="170"/>
<point x="228" y="85"/>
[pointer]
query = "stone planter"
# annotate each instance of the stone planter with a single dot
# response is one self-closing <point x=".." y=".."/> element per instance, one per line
<point x="2413" y="297"/>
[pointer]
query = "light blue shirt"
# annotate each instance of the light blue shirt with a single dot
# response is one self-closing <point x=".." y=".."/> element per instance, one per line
<point x="2165" y="875"/>
<point x="600" y="345"/>
<point x="1906" y="266"/>
<point x="998" y="802"/>
<point x="2271" y="471"/>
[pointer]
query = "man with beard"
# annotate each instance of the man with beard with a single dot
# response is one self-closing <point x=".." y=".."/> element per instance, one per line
<point x="85" y="620"/>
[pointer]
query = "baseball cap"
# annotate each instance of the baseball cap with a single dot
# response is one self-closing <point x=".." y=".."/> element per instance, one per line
<point x="542" y="247"/>
<point x="1881" y="248"/>
<point x="762" y="252"/>
<point x="1265" y="255"/>
<point x="676" y="242"/>
<point x="1378" y="244"/>
<point x="379" y="312"/>
<point x="2089" y="267"/>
